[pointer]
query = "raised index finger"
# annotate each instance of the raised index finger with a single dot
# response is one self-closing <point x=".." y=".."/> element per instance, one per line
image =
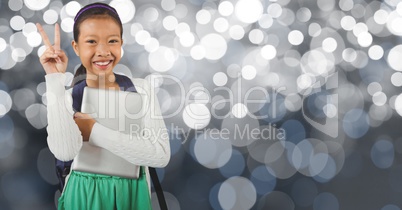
<point x="43" y="34"/>
<point x="57" y="37"/>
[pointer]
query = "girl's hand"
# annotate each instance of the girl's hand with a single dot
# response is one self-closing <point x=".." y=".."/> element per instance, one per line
<point x="85" y="124"/>
<point x="53" y="60"/>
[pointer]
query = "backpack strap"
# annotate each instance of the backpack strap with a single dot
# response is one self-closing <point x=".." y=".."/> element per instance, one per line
<point x="158" y="188"/>
<point x="125" y="83"/>
<point x="78" y="91"/>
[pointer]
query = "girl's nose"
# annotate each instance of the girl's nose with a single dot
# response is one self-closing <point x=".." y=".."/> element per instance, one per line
<point x="102" y="50"/>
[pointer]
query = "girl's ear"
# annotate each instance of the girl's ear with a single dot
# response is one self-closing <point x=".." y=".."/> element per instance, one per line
<point x="75" y="47"/>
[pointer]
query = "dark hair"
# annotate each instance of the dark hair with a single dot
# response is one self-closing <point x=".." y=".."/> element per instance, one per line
<point x="91" y="11"/>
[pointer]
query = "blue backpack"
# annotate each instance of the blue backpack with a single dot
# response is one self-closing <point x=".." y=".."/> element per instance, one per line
<point x="63" y="167"/>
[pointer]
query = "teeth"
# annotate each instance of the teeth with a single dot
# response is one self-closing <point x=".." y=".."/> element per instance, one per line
<point x="102" y="63"/>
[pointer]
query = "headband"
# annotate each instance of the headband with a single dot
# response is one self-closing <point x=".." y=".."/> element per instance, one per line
<point x="94" y="6"/>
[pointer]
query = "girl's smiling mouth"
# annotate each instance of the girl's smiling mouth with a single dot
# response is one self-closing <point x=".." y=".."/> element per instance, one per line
<point x="103" y="64"/>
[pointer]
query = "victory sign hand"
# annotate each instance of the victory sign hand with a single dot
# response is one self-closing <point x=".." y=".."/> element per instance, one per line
<point x="53" y="60"/>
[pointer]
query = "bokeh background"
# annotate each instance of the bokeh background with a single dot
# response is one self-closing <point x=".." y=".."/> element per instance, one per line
<point x="321" y="78"/>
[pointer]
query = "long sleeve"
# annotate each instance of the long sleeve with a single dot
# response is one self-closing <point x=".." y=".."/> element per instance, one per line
<point x="152" y="149"/>
<point x="64" y="138"/>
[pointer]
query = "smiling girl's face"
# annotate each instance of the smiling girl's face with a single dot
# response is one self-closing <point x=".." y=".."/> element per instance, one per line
<point x="99" y="45"/>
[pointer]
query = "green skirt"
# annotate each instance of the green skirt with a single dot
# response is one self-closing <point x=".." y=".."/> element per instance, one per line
<point x="87" y="191"/>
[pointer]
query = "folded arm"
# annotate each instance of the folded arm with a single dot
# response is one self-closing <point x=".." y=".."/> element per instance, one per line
<point x="148" y="148"/>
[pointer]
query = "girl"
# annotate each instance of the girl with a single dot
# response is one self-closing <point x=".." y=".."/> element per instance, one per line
<point x="98" y="41"/>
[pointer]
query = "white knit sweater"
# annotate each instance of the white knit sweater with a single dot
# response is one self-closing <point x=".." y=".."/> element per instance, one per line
<point x="65" y="140"/>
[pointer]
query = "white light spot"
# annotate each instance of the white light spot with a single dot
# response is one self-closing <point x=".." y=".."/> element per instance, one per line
<point x="346" y="5"/>
<point x="394" y="22"/>
<point x="221" y="25"/>
<point x="396" y="79"/>
<point x="203" y="17"/>
<point x="3" y="44"/>
<point x="349" y="55"/>
<point x="135" y="28"/>
<point x="268" y="52"/>
<point x="326" y="5"/>
<point x="67" y="25"/>
<point x="15" y="5"/>
<point x="348" y="23"/>
<point x="125" y="9"/>
<point x="295" y="37"/>
<point x="379" y="98"/>
<point x="304" y="81"/>
<point x="314" y="29"/>
<point x="237" y="193"/>
<point x="239" y="110"/>
<point x="50" y="16"/>
<point x="72" y="8"/>
<point x="170" y="23"/>
<point x="248" y="72"/>
<point x="182" y="28"/>
<point x="220" y="79"/>
<point x="215" y="46"/>
<point x="168" y="5"/>
<point x="236" y="32"/>
<point x="266" y="21"/>
<point x="36" y="4"/>
<point x="375" y="52"/>
<point x="29" y="28"/>
<point x="303" y="14"/>
<point x="18" y="54"/>
<point x="330" y="110"/>
<point x="34" y="39"/>
<point x="365" y="39"/>
<point x="248" y="11"/>
<point x="5" y="103"/>
<point x="225" y="8"/>
<point x="152" y="45"/>
<point x="36" y="115"/>
<point x="142" y="37"/>
<point x="399" y="8"/>
<point x="329" y="44"/>
<point x="317" y="62"/>
<point x="151" y="14"/>
<point x="394" y="58"/>
<point x="293" y="102"/>
<point x="373" y="88"/>
<point x="381" y="16"/>
<point x="256" y="36"/>
<point x="398" y="104"/>
<point x="196" y="116"/>
<point x="17" y="22"/>
<point x="197" y="52"/>
<point x="187" y="39"/>
<point x="359" y="28"/>
<point x="162" y="59"/>
<point x="274" y="10"/>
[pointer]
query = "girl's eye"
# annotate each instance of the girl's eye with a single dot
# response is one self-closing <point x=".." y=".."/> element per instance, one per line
<point x="114" y="41"/>
<point x="91" y="41"/>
